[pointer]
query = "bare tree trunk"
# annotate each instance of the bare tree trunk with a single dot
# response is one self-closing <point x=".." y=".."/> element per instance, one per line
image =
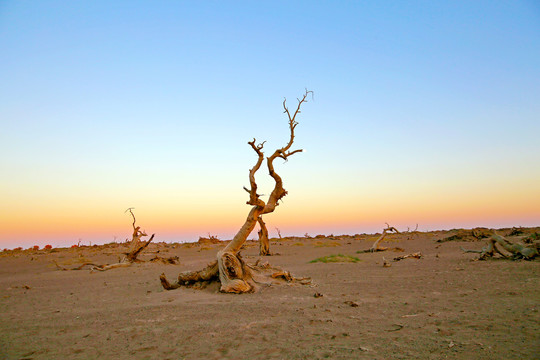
<point x="235" y="275"/>
<point x="264" y="243"/>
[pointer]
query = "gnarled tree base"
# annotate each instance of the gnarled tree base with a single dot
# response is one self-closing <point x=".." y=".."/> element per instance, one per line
<point x="516" y="250"/>
<point x="234" y="275"/>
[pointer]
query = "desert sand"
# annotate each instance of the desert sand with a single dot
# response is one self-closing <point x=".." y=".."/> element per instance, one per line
<point x="441" y="306"/>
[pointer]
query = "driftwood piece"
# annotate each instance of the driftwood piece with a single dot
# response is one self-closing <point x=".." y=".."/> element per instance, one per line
<point x="416" y="255"/>
<point x="516" y="250"/>
<point x="80" y="267"/>
<point x="375" y="247"/>
<point x="235" y="275"/>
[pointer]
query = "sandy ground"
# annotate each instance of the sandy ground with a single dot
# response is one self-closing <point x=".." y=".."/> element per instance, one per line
<point x="443" y="306"/>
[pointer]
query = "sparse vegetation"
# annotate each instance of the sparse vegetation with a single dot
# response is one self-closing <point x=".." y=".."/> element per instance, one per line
<point x="327" y="244"/>
<point x="336" y="258"/>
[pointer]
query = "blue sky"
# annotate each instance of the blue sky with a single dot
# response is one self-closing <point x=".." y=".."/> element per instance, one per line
<point x="424" y="112"/>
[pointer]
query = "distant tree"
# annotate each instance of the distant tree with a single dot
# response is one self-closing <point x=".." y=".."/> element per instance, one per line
<point x="376" y="247"/>
<point x="136" y="247"/>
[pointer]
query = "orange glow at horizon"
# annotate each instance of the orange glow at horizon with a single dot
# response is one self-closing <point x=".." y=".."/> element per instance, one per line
<point x="356" y="208"/>
<point x="357" y="214"/>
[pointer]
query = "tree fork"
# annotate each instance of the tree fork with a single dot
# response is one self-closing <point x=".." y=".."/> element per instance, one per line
<point x="235" y="275"/>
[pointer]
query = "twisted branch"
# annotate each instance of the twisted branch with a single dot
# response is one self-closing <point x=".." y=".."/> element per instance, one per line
<point x="279" y="192"/>
<point x="133" y="215"/>
<point x="234" y="274"/>
<point x="253" y="196"/>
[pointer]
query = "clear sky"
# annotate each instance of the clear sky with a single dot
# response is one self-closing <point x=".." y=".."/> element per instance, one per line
<point x="424" y="112"/>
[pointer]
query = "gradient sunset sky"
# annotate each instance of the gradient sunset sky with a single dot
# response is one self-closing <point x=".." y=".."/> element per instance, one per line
<point x="424" y="112"/>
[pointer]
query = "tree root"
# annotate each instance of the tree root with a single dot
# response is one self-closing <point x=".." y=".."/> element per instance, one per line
<point x="190" y="278"/>
<point x="516" y="250"/>
<point x="244" y="277"/>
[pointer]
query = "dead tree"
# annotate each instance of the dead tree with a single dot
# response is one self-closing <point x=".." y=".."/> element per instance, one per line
<point x="375" y="247"/>
<point x="411" y="233"/>
<point x="516" y="250"/>
<point x="264" y="243"/>
<point x="136" y="247"/>
<point x="235" y="275"/>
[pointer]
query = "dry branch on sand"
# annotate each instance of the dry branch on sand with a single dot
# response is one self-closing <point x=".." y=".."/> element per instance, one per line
<point x="136" y="247"/>
<point x="375" y="247"/>
<point x="416" y="255"/>
<point x="516" y="250"/>
<point x="235" y="275"/>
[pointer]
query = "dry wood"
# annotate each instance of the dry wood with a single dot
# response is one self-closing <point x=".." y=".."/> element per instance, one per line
<point x="416" y="255"/>
<point x="516" y="250"/>
<point x="208" y="274"/>
<point x="128" y="259"/>
<point x="235" y="275"/>
<point x="136" y="247"/>
<point x="375" y="247"/>
<point x="264" y="243"/>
